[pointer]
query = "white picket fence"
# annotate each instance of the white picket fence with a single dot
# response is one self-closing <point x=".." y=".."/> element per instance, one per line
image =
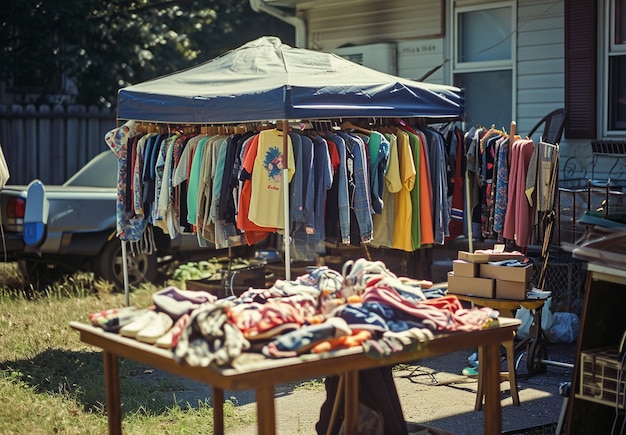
<point x="51" y="142"/>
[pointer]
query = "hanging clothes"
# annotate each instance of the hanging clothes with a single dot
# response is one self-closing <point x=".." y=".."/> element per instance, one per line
<point x="383" y="223"/>
<point x="493" y="187"/>
<point x="502" y="188"/>
<point x="4" y="170"/>
<point x="323" y="179"/>
<point x="224" y="207"/>
<point x="456" y="203"/>
<point x="379" y="154"/>
<point x="181" y="178"/>
<point x="489" y="144"/>
<point x="194" y="181"/>
<point x="344" y="186"/>
<point x="338" y="207"/>
<point x="253" y="232"/>
<point x="205" y="224"/>
<point x="438" y="175"/>
<point x="306" y="188"/>
<point x="358" y="187"/>
<point x="296" y="194"/>
<point x="402" y="200"/>
<point x="427" y="206"/>
<point x="266" y="200"/>
<point x="416" y="150"/>
<point x="472" y="145"/>
<point x="540" y="178"/>
<point x="129" y="227"/>
<point x="518" y="218"/>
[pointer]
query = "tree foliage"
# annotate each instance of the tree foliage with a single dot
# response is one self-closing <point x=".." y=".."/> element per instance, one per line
<point x="88" y="49"/>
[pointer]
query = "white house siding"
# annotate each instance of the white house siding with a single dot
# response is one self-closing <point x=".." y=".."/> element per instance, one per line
<point x="540" y="60"/>
<point x="416" y="59"/>
<point x="358" y="23"/>
<point x="541" y="79"/>
<point x="416" y="27"/>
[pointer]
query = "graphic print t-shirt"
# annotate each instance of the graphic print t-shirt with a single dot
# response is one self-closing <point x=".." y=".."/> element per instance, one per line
<point x="267" y="198"/>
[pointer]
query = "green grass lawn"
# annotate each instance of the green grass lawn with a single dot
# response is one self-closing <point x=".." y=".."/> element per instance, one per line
<point x="51" y="382"/>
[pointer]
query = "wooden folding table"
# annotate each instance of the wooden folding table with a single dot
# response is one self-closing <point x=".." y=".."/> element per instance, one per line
<point x="263" y="376"/>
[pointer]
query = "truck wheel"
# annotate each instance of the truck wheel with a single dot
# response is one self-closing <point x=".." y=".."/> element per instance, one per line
<point x="108" y="266"/>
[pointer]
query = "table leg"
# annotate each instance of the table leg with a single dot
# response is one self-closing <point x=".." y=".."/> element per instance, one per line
<point x="339" y="400"/>
<point x="218" y="411"/>
<point x="351" y="386"/>
<point x="512" y="375"/>
<point x="480" y="388"/>
<point x="490" y="371"/>
<point x="265" y="411"/>
<point x="112" y="393"/>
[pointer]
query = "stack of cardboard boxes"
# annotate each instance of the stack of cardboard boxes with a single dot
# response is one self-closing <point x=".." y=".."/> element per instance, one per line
<point x="473" y="275"/>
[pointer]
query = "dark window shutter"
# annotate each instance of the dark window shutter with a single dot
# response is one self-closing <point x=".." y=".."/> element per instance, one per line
<point x="581" y="68"/>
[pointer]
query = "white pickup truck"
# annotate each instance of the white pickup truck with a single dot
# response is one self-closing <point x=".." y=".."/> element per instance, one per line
<point x="79" y="234"/>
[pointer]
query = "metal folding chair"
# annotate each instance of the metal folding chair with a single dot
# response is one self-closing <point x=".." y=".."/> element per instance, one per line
<point x="553" y="124"/>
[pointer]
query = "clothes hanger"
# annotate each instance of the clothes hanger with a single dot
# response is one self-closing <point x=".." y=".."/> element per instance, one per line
<point x="445" y="128"/>
<point x="312" y="129"/>
<point x="141" y="128"/>
<point x="347" y="125"/>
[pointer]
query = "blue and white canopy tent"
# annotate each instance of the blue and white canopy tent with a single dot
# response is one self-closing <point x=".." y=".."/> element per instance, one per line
<point x="266" y="80"/>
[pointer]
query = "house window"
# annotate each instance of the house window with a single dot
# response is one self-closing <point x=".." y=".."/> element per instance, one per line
<point x="483" y="61"/>
<point x="616" y="70"/>
<point x="620" y="22"/>
<point x="617" y="93"/>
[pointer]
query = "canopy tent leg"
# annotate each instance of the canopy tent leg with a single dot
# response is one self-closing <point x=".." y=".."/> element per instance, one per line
<point x="287" y="237"/>
<point x="125" y="271"/>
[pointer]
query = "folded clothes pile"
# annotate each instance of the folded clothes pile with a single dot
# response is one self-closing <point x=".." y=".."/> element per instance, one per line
<point x="324" y="310"/>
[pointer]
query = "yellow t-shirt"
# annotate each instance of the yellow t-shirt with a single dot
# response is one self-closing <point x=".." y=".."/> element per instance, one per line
<point x="267" y="205"/>
<point x="403" y="205"/>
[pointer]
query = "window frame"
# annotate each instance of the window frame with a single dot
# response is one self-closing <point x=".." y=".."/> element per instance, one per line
<point x="613" y="46"/>
<point x="458" y="7"/>
<point x="610" y="50"/>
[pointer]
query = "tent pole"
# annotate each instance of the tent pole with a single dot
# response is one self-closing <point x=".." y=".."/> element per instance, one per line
<point x="467" y="213"/>
<point x="125" y="270"/>
<point x="470" y="233"/>
<point x="286" y="237"/>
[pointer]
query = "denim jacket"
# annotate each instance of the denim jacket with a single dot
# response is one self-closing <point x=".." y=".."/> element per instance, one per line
<point x="342" y="188"/>
<point x="323" y="180"/>
<point x="302" y="186"/>
<point x="358" y="184"/>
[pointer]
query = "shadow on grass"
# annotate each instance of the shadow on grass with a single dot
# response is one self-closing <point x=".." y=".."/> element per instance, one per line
<point x="79" y="375"/>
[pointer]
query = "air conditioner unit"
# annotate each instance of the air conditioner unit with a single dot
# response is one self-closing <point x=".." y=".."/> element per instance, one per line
<point x="381" y="57"/>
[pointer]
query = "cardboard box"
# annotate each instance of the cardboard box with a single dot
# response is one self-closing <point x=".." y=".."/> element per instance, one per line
<point x="480" y="287"/>
<point x="485" y="256"/>
<point x="465" y="268"/>
<point x="507" y="273"/>
<point x="500" y="256"/>
<point x="513" y="290"/>
<point x="472" y="257"/>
